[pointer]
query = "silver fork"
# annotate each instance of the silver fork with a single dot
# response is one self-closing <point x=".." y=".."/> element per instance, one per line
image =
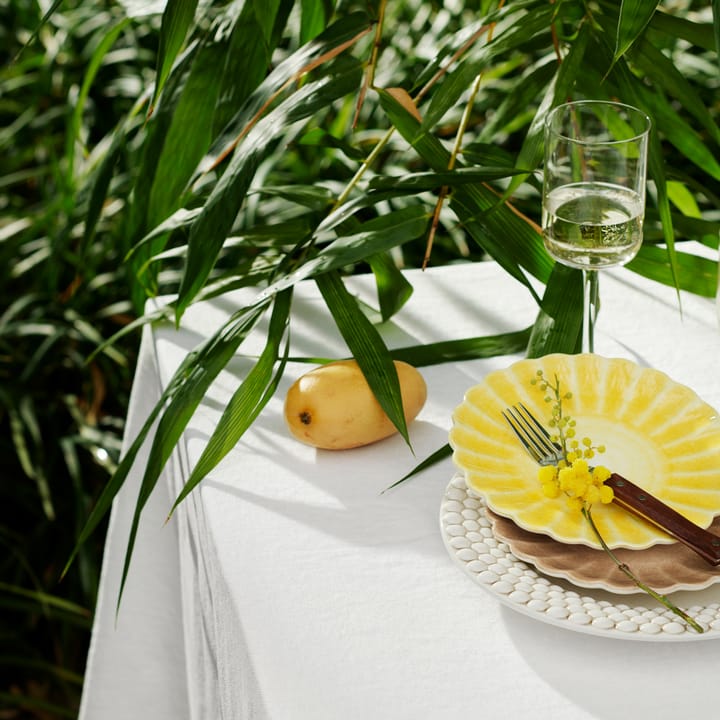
<point x="533" y="436"/>
<point x="537" y="442"/>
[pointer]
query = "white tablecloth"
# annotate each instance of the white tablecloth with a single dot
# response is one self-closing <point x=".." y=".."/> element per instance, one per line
<point x="287" y="587"/>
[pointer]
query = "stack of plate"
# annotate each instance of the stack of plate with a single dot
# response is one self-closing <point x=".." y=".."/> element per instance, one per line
<point x="539" y="556"/>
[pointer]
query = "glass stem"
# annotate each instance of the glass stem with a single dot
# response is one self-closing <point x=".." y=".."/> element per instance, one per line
<point x="590" y="300"/>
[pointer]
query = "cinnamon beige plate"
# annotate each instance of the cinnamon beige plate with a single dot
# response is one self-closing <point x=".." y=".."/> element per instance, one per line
<point x="658" y="433"/>
<point x="665" y="568"/>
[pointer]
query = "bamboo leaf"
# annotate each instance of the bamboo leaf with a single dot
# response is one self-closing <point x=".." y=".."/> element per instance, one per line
<point x="663" y="72"/>
<point x="99" y="188"/>
<point x="535" y="19"/>
<point x="176" y="21"/>
<point x="438" y="456"/>
<point x="428" y="181"/>
<point x="335" y="40"/>
<point x="367" y="347"/>
<point x="313" y="18"/>
<point x="521" y="96"/>
<point x="190" y="383"/>
<point x="558" y="90"/>
<point x="393" y="289"/>
<point x="690" y="272"/>
<point x="252" y="42"/>
<point x="248" y="400"/>
<point x="640" y="97"/>
<point x="212" y="226"/>
<point x="465" y="349"/>
<point x="188" y="134"/>
<point x="376" y="235"/>
<point x="96" y="60"/>
<point x="558" y="327"/>
<point x="513" y="241"/>
<point x="679" y="27"/>
<point x="716" y="25"/>
<point x="265" y="11"/>
<point x="634" y="17"/>
<point x="111" y="489"/>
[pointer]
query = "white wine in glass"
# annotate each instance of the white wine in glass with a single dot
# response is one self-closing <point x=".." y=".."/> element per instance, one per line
<point x="594" y="190"/>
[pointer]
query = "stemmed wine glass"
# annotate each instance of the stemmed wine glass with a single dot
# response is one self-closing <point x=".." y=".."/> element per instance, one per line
<point x="594" y="191"/>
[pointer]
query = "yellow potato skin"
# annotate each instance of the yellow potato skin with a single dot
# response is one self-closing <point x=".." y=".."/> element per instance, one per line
<point x="333" y="408"/>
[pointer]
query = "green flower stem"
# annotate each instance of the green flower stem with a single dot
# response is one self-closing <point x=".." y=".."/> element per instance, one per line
<point x="645" y="588"/>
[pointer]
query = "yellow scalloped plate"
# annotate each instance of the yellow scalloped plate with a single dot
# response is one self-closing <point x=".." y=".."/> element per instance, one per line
<point x="658" y="433"/>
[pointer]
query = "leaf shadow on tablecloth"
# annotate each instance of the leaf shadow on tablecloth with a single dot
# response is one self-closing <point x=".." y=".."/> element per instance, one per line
<point x="615" y="679"/>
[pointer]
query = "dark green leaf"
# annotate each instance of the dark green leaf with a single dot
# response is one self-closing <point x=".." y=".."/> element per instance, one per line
<point x="716" y="25"/>
<point x="558" y="91"/>
<point x="313" y="18"/>
<point x="376" y="235"/>
<point x="366" y="346"/>
<point x="438" y="456"/>
<point x="679" y="27"/>
<point x="511" y="239"/>
<point x="422" y="181"/>
<point x="393" y="289"/>
<point x="212" y="226"/>
<point x="188" y="135"/>
<point x="190" y="383"/>
<point x="321" y="138"/>
<point x="664" y="73"/>
<point x="248" y="400"/>
<point x="693" y="273"/>
<point x="536" y="19"/>
<point x="176" y="20"/>
<point x="634" y="17"/>
<point x="558" y="327"/>
<point x="73" y="136"/>
<point x="465" y="349"/>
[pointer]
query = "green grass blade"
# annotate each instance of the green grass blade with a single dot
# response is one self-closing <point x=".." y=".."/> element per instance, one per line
<point x="366" y="346"/>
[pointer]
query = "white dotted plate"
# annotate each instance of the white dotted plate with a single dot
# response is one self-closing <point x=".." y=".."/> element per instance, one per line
<point x="468" y="536"/>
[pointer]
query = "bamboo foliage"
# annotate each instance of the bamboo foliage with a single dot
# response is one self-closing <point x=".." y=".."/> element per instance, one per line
<point x="289" y="141"/>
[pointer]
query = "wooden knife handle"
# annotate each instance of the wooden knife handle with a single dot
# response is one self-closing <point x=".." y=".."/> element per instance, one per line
<point x="642" y="503"/>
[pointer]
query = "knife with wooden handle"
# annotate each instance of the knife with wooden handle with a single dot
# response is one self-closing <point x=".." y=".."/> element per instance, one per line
<point x="642" y="503"/>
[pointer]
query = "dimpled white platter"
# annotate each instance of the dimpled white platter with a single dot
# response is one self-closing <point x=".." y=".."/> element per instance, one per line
<point x="467" y="533"/>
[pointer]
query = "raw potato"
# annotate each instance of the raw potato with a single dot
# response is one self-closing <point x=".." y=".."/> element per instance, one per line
<point x="332" y="407"/>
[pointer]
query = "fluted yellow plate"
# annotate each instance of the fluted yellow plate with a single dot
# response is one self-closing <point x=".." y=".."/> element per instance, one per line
<point x="658" y="433"/>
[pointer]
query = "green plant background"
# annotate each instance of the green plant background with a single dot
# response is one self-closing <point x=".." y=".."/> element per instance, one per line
<point x="188" y="148"/>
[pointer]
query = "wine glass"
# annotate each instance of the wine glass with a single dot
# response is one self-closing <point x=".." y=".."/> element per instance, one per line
<point x="594" y="191"/>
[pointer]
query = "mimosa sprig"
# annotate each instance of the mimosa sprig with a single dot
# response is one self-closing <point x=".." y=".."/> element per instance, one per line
<point x="583" y="485"/>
